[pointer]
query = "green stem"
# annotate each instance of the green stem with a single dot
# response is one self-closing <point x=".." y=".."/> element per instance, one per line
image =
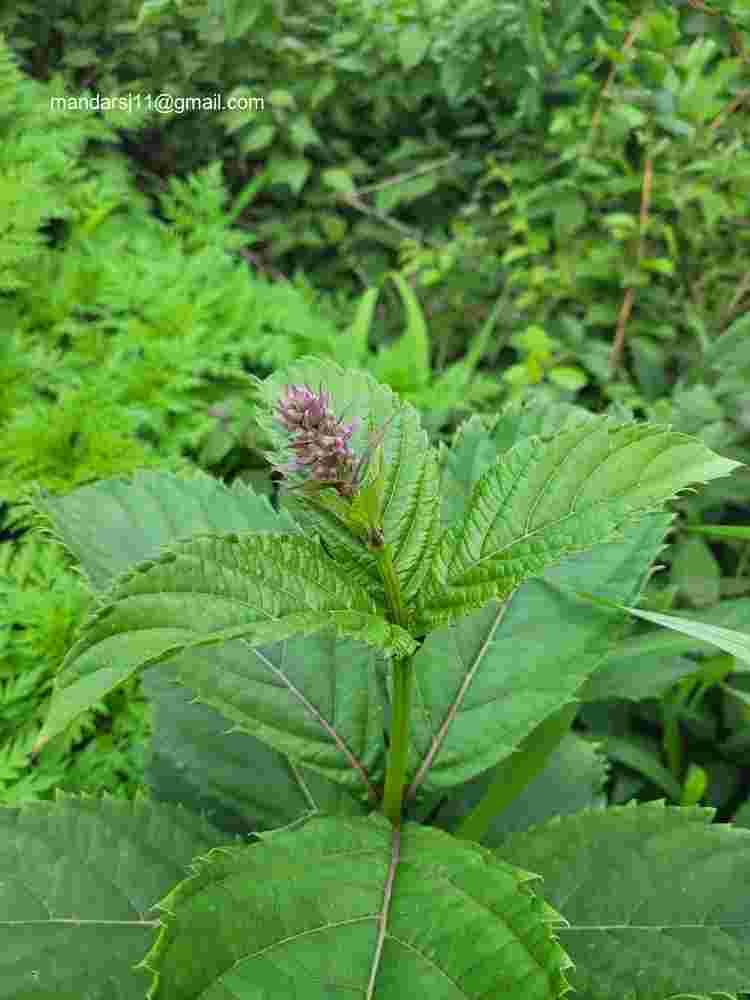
<point x="397" y="613"/>
<point x="513" y="774"/>
<point x="398" y="752"/>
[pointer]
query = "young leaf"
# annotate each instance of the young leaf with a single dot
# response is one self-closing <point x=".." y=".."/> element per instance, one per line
<point x="211" y="589"/>
<point x="655" y="895"/>
<point x="546" y="499"/>
<point x="410" y="513"/>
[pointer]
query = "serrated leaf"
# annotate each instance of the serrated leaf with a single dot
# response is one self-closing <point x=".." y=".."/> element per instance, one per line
<point x="198" y="758"/>
<point x="78" y="877"/>
<point x="209" y="590"/>
<point x="414" y="913"/>
<point x="411" y="482"/>
<point x="546" y="499"/>
<point x="482" y="685"/>
<point x="655" y="895"/>
<point x="113" y="524"/>
<point x="480" y="440"/>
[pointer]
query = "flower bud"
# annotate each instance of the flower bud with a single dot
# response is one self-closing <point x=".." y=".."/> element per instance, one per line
<point x="319" y="440"/>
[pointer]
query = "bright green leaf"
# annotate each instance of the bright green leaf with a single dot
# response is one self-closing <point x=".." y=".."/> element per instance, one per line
<point x="338" y="180"/>
<point x="544" y="500"/>
<point x="413" y="42"/>
<point x="571" y="379"/>
<point x="206" y="591"/>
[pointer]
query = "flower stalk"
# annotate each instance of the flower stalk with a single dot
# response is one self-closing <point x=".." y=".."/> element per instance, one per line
<point x="398" y="752"/>
<point x="321" y="444"/>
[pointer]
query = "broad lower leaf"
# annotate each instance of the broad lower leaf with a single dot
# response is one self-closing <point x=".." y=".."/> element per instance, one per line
<point x="113" y="524"/>
<point x="482" y="685"/>
<point x="200" y="759"/>
<point x="411" y="482"/>
<point x="544" y="500"/>
<point x="208" y="590"/>
<point x="344" y="906"/>
<point x="78" y="879"/>
<point x="656" y="897"/>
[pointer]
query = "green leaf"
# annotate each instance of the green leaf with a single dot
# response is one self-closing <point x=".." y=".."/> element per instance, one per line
<point x="411" y="482"/>
<point x="732" y="348"/>
<point x="642" y="759"/>
<point x="655" y="895"/>
<point x="199" y="759"/>
<point x="284" y="170"/>
<point x="79" y="877"/>
<point x="547" y="499"/>
<point x="735" y="531"/>
<point x="659" y="265"/>
<point x="409" y="914"/>
<point x="281" y="99"/>
<point x="113" y="524"/>
<point x="630" y="675"/>
<point x="483" y="684"/>
<point x="388" y="198"/>
<point x="731" y="641"/>
<point x="482" y="438"/>
<point x="413" y="42"/>
<point x="260" y="137"/>
<point x="656" y="642"/>
<point x="571" y="213"/>
<point x="152" y="10"/>
<point x="696" y="572"/>
<point x="573" y="779"/>
<point x="406" y="364"/>
<point x="338" y="180"/>
<point x="209" y="590"/>
<point x="355" y="343"/>
<point x="568" y="378"/>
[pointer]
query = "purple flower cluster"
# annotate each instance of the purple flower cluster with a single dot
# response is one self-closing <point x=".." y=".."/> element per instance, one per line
<point x="320" y="441"/>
